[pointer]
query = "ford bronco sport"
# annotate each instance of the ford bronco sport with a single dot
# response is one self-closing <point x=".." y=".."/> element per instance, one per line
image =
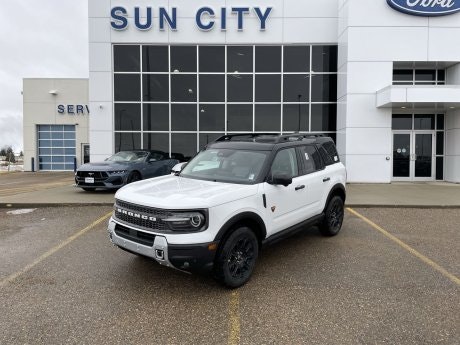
<point x="237" y="194"/>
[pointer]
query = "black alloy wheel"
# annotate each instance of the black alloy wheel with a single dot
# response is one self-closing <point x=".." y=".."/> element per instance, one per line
<point x="333" y="218"/>
<point x="236" y="261"/>
<point x="133" y="177"/>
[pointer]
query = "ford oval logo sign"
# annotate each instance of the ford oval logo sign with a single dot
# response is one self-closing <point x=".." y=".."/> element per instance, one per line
<point x="426" y="8"/>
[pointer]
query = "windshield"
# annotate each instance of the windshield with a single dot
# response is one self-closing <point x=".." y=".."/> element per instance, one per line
<point x="226" y="165"/>
<point x="127" y="156"/>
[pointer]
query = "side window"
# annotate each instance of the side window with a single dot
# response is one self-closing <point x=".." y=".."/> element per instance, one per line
<point x="311" y="159"/>
<point x="329" y="153"/>
<point x="285" y="162"/>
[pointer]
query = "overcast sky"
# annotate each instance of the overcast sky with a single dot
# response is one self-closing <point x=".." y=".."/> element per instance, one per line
<point x="39" y="39"/>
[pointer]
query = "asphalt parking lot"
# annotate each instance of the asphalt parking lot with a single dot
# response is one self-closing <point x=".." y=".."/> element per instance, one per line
<point x="61" y="282"/>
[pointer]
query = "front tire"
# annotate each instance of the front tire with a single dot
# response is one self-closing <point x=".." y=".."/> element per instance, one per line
<point x="333" y="217"/>
<point x="236" y="261"/>
<point x="133" y="177"/>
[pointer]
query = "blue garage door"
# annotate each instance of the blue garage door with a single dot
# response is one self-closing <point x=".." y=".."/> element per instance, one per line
<point x="56" y="147"/>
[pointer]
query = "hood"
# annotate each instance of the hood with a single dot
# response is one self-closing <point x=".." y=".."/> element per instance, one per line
<point x="104" y="166"/>
<point x="175" y="192"/>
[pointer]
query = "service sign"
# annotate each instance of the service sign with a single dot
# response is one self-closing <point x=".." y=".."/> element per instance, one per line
<point x="426" y="8"/>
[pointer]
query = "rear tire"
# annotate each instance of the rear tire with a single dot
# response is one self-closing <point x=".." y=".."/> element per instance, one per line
<point x="333" y="217"/>
<point x="236" y="261"/>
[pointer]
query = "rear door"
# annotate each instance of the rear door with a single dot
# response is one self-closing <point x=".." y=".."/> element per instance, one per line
<point x="313" y="176"/>
<point x="285" y="205"/>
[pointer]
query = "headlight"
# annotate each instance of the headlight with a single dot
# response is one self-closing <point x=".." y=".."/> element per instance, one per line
<point x="183" y="221"/>
<point x="117" y="172"/>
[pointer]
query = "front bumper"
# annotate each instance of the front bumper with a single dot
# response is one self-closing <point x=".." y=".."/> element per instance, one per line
<point x="192" y="258"/>
<point x="101" y="180"/>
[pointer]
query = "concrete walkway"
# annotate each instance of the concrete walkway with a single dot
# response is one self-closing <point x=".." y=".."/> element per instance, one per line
<point x="56" y="189"/>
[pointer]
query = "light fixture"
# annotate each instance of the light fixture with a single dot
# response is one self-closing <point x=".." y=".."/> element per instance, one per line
<point x="451" y="107"/>
<point x="403" y="107"/>
<point x="53" y="92"/>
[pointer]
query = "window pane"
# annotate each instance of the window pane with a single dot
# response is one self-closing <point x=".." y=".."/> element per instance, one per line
<point x="268" y="59"/>
<point x="70" y="151"/>
<point x="55" y="128"/>
<point x="206" y="138"/>
<point x="441" y="75"/>
<point x="324" y="117"/>
<point x="127" y="87"/>
<point x="403" y="75"/>
<point x="296" y="59"/>
<point x="44" y="151"/>
<point x="156" y="87"/>
<point x="212" y="88"/>
<point x="239" y="59"/>
<point x="311" y="159"/>
<point x="401" y="122"/>
<point x="183" y="59"/>
<point x="46" y="159"/>
<point x="295" y="85"/>
<point x="439" y="168"/>
<point x="212" y="117"/>
<point x="69" y="128"/>
<point x="126" y="58"/>
<point x="285" y="162"/>
<point x="57" y="151"/>
<point x="58" y="143"/>
<point x="156" y="117"/>
<point x="44" y="143"/>
<point x="184" y="144"/>
<point x="425" y="75"/>
<point x="324" y="59"/>
<point x="324" y="88"/>
<point x="157" y="142"/>
<point x="291" y="118"/>
<point x="58" y="166"/>
<point x="58" y="159"/>
<point x="424" y="122"/>
<point x="440" y="121"/>
<point x="239" y="88"/>
<point x="212" y="59"/>
<point x="127" y="141"/>
<point x="44" y="128"/>
<point x="183" y="117"/>
<point x="155" y="59"/>
<point x="69" y="135"/>
<point x="268" y="88"/>
<point x="57" y="135"/>
<point x="439" y="143"/>
<point x="44" y="135"/>
<point x="268" y="117"/>
<point x="127" y="117"/>
<point x="183" y="88"/>
<point x="69" y="143"/>
<point x="239" y="117"/>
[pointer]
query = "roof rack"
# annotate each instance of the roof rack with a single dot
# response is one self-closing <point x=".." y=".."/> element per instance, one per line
<point x="274" y="138"/>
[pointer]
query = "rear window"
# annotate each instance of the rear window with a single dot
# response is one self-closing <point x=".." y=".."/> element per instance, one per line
<point x="329" y="153"/>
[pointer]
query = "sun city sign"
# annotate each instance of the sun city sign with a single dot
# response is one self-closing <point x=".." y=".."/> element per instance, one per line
<point x="426" y="8"/>
<point x="205" y="17"/>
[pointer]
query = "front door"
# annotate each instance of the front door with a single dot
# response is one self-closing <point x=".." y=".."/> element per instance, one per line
<point x="413" y="156"/>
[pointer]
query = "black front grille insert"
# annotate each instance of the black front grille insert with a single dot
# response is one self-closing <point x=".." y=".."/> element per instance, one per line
<point x="134" y="235"/>
<point x="144" y="217"/>
<point x="102" y="175"/>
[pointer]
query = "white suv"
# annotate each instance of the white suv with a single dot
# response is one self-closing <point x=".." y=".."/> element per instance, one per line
<point x="237" y="194"/>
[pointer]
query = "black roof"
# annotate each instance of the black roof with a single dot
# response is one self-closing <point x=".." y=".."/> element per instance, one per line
<point x="266" y="141"/>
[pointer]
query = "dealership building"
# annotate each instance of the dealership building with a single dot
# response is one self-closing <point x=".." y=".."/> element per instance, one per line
<point x="381" y="77"/>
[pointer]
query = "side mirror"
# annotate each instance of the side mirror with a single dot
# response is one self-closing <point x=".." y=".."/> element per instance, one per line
<point x="281" y="179"/>
<point x="178" y="168"/>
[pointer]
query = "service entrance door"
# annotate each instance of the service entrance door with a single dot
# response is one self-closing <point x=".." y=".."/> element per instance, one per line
<point x="414" y="156"/>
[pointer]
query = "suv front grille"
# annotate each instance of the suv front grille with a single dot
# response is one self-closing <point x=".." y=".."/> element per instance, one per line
<point x="134" y="235"/>
<point x="144" y="217"/>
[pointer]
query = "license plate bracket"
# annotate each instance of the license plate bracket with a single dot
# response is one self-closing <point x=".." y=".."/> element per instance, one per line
<point x="89" y="179"/>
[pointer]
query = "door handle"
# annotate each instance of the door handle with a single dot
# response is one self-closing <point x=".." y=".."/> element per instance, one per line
<point x="299" y="187"/>
<point x="326" y="179"/>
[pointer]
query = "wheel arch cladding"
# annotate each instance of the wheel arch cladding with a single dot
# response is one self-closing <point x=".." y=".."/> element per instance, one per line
<point x="249" y="219"/>
<point x="337" y="190"/>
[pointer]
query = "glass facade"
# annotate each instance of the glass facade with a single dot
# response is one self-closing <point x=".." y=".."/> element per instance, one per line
<point x="419" y="77"/>
<point x="56" y="147"/>
<point x="178" y="98"/>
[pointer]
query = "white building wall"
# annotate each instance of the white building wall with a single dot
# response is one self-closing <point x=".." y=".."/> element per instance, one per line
<point x="292" y="21"/>
<point x="41" y="108"/>
<point x="371" y="37"/>
<point x="452" y="157"/>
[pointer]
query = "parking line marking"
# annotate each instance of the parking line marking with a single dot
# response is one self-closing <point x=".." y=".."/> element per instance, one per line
<point x="411" y="250"/>
<point x="234" y="319"/>
<point x="53" y="250"/>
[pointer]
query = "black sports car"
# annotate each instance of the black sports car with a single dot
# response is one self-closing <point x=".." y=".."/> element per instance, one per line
<point x="122" y="168"/>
